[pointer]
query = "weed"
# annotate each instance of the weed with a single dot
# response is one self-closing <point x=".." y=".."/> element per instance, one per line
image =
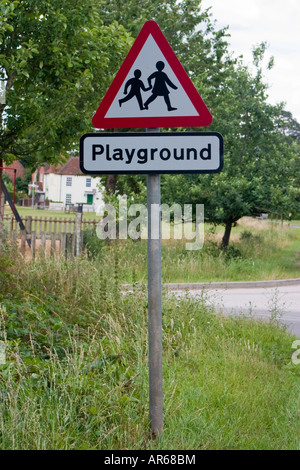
<point x="92" y="245"/>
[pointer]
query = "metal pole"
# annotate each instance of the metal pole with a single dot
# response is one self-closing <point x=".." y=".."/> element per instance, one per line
<point x="154" y="303"/>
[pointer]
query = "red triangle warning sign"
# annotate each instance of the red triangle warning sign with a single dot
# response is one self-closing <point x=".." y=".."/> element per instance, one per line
<point x="151" y="89"/>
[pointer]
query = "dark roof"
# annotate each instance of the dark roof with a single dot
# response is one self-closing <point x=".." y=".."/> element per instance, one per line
<point x="71" y="167"/>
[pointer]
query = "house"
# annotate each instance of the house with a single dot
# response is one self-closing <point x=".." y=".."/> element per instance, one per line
<point x="16" y="165"/>
<point x="65" y="185"/>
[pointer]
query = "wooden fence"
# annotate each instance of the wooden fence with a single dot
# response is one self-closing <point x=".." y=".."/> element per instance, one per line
<point x="48" y="225"/>
<point x="49" y="235"/>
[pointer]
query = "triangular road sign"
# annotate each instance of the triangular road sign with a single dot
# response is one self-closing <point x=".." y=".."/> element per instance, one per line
<point x="151" y="89"/>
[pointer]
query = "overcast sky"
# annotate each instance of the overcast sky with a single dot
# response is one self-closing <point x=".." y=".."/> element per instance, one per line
<point x="278" y="23"/>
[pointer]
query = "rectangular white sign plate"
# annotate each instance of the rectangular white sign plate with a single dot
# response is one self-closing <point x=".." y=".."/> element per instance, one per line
<point x="157" y="152"/>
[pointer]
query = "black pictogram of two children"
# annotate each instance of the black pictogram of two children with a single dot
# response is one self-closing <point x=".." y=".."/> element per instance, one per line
<point x="159" y="88"/>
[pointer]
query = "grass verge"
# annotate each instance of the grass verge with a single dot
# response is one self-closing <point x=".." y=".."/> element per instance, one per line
<point x="75" y="374"/>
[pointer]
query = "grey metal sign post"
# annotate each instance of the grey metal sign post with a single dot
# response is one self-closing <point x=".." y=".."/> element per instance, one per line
<point x="169" y="100"/>
<point x="152" y="153"/>
<point x="154" y="303"/>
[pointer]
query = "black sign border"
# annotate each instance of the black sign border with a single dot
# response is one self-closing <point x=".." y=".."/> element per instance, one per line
<point x="149" y="134"/>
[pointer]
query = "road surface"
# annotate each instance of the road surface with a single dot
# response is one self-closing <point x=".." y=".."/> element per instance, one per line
<point x="282" y="302"/>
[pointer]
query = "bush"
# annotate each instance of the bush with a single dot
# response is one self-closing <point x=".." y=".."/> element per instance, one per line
<point x="92" y="245"/>
<point x="211" y="248"/>
<point x="248" y="236"/>
<point x="232" y="252"/>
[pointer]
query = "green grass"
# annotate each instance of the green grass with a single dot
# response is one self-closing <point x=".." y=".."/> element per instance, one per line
<point x="76" y="371"/>
<point x="258" y="251"/>
<point x="28" y="211"/>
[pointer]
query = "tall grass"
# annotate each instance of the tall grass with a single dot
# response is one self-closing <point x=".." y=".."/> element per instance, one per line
<point x="76" y="369"/>
<point x="259" y="250"/>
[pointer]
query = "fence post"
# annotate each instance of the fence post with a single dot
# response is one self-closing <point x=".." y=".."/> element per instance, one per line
<point x="73" y="248"/>
<point x="69" y="239"/>
<point x="23" y="242"/>
<point x="29" y="224"/>
<point x="33" y="244"/>
<point x="53" y="240"/>
<point x="78" y="229"/>
<point x="43" y="243"/>
<point x="63" y="237"/>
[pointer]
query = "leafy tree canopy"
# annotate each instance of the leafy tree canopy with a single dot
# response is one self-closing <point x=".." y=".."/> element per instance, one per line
<point x="261" y="162"/>
<point x="57" y="58"/>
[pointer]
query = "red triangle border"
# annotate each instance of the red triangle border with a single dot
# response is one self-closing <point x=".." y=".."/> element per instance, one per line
<point x="99" y="120"/>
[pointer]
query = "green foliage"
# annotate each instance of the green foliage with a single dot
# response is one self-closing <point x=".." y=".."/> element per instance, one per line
<point x="75" y="372"/>
<point x="22" y="183"/>
<point x="8" y="183"/>
<point x="57" y="59"/>
<point x="10" y="187"/>
<point x="92" y="244"/>
<point x="261" y="162"/>
<point x="6" y="276"/>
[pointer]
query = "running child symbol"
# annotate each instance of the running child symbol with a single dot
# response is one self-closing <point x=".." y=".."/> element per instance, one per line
<point x="135" y="91"/>
<point x="160" y="86"/>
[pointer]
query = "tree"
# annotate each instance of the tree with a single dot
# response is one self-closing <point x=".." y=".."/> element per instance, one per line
<point x="57" y="58"/>
<point x="260" y="162"/>
<point x="22" y="183"/>
<point x="290" y="126"/>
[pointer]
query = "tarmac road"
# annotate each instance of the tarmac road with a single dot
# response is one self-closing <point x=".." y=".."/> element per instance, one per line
<point x="260" y="300"/>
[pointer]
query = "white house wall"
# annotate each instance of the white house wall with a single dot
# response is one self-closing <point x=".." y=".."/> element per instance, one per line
<point x="52" y="186"/>
<point x="56" y="189"/>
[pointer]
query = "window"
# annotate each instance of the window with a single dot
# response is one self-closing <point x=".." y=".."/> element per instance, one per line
<point x="68" y="198"/>
<point x="88" y="182"/>
<point x="69" y="181"/>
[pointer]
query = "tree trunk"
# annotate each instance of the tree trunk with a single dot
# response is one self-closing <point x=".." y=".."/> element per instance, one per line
<point x="1" y="206"/>
<point x="9" y="84"/>
<point x="111" y="182"/>
<point x="226" y="236"/>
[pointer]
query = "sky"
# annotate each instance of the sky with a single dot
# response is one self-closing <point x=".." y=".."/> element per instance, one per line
<point x="278" y="23"/>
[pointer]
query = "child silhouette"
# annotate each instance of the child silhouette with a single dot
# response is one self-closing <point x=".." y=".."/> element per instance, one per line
<point x="160" y="86"/>
<point x="135" y="91"/>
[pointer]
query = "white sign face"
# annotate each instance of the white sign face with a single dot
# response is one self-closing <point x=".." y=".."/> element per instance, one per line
<point x="187" y="152"/>
<point x="169" y="101"/>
